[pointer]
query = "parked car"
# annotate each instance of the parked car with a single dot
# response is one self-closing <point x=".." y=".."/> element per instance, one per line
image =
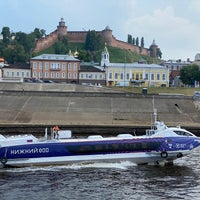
<point x="48" y="81"/>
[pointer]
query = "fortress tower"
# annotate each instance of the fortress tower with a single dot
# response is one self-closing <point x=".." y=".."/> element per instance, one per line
<point x="107" y="34"/>
<point x="153" y="49"/>
<point x="61" y="29"/>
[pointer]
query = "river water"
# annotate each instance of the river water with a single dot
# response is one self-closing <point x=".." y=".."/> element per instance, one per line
<point x="103" y="181"/>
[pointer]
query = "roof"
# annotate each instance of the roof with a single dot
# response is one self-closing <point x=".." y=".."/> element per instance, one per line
<point x="18" y="66"/>
<point x="135" y="65"/>
<point x="60" y="57"/>
<point x="89" y="68"/>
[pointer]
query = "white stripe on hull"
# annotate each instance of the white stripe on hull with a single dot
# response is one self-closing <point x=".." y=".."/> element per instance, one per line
<point x="138" y="158"/>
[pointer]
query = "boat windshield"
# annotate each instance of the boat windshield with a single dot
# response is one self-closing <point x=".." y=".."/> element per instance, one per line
<point x="150" y="132"/>
<point x="183" y="133"/>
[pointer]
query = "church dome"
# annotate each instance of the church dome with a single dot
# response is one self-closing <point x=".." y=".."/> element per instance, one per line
<point x="197" y="57"/>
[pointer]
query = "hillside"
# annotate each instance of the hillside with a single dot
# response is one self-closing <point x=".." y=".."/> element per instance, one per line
<point x="117" y="55"/>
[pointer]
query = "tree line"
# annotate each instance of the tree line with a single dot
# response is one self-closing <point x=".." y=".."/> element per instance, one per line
<point x="135" y="41"/>
<point x="18" y="47"/>
<point x="189" y="74"/>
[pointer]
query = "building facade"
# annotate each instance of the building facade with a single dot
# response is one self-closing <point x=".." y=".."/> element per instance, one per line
<point x="16" y="72"/>
<point x="58" y="68"/>
<point x="91" y="74"/>
<point x="136" y="74"/>
<point x="176" y="65"/>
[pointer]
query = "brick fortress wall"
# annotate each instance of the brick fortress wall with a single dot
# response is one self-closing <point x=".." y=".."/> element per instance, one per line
<point x="80" y="36"/>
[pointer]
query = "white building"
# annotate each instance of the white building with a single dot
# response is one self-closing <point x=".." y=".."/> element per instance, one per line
<point x="16" y="72"/>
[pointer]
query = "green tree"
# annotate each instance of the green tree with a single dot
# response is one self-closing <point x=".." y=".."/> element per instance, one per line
<point x="65" y="40"/>
<point x="100" y="42"/>
<point x="39" y="33"/>
<point x="6" y="35"/>
<point x="142" y="42"/>
<point x="14" y="55"/>
<point x="60" y="48"/>
<point x="26" y="40"/>
<point x="189" y="74"/>
<point x="93" y="41"/>
<point x="130" y="40"/>
<point x="133" y="41"/>
<point x="85" y="56"/>
<point x="137" y="41"/>
<point x="159" y="53"/>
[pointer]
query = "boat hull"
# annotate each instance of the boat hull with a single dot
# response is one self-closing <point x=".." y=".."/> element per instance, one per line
<point x="137" y="150"/>
<point x="137" y="158"/>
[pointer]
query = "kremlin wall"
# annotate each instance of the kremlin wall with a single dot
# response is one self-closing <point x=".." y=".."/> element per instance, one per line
<point x="80" y="36"/>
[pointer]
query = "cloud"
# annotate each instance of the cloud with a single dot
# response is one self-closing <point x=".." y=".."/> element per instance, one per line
<point x="194" y="6"/>
<point x="165" y="27"/>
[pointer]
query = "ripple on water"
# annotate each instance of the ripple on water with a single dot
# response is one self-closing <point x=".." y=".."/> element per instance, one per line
<point x="123" y="180"/>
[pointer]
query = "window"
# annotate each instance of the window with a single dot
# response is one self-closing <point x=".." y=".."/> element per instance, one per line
<point x="17" y="74"/>
<point x="7" y="74"/>
<point x="13" y="74"/>
<point x="57" y="75"/>
<point x="75" y="66"/>
<point x="183" y="133"/>
<point x="46" y="65"/>
<point x="90" y="76"/>
<point x="82" y="75"/>
<point x="133" y="76"/>
<point x="110" y="75"/>
<point x="34" y="74"/>
<point x="63" y="75"/>
<point x="34" y="65"/>
<point x="146" y="76"/>
<point x="55" y="66"/>
<point x="69" y="66"/>
<point x="152" y="76"/>
<point x="121" y="76"/>
<point x="164" y="77"/>
<point x="52" y="74"/>
<point x="116" y="75"/>
<point x="137" y="76"/>
<point x="95" y="76"/>
<point x="27" y="74"/>
<point x="100" y="76"/>
<point x="63" y="66"/>
<point x="22" y="74"/>
<point x="127" y="76"/>
<point x="40" y="75"/>
<point x="46" y="75"/>
<point x="40" y="65"/>
<point x="75" y="75"/>
<point x="69" y="75"/>
<point x="158" y="77"/>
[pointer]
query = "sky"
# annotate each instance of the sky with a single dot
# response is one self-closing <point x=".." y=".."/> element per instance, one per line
<point x="173" y="24"/>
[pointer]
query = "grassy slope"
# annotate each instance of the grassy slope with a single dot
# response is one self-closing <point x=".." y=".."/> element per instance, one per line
<point x="117" y="55"/>
<point x="157" y="90"/>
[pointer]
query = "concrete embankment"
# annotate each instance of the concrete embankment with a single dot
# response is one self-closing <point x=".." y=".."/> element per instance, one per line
<point x="88" y="110"/>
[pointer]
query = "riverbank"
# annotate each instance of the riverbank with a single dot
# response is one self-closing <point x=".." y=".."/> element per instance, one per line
<point x="87" y="109"/>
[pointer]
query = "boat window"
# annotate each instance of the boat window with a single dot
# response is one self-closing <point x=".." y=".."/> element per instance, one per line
<point x="183" y="133"/>
<point x="150" y="132"/>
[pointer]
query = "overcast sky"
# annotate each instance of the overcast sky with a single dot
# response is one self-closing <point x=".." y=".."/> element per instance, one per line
<point x="174" y="24"/>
